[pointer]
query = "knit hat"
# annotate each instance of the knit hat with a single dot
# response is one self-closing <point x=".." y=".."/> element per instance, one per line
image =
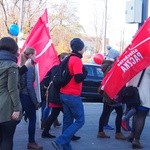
<point x="112" y="53"/>
<point x="76" y="45"/>
<point x="109" y="47"/>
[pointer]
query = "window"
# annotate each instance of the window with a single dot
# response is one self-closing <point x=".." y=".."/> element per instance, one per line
<point x="90" y="70"/>
<point x="99" y="73"/>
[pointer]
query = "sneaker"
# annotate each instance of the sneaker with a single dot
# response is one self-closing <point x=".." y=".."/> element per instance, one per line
<point x="57" y="146"/>
<point x="108" y="127"/>
<point x="124" y="125"/>
<point x="75" y="138"/>
<point x="48" y="135"/>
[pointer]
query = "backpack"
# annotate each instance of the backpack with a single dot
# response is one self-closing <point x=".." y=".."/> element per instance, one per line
<point x="131" y="96"/>
<point x="62" y="77"/>
<point x="53" y="94"/>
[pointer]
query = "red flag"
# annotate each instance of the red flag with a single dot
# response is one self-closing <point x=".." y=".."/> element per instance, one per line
<point x="39" y="38"/>
<point x="135" y="58"/>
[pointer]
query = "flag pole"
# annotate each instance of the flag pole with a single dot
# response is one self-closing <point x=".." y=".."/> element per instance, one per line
<point x="20" y="36"/>
<point x="105" y="28"/>
<point x="38" y="91"/>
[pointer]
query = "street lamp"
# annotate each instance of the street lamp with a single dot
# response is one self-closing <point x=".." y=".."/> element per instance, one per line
<point x="21" y="19"/>
<point x="105" y="28"/>
<point x="21" y="15"/>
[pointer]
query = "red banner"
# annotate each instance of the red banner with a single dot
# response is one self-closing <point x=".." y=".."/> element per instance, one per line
<point x="39" y="38"/>
<point x="135" y="58"/>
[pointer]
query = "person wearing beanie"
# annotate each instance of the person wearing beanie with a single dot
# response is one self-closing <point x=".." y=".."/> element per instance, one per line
<point x="109" y="47"/>
<point x="76" y="45"/>
<point x="73" y="118"/>
<point x="109" y="105"/>
<point x="113" y="54"/>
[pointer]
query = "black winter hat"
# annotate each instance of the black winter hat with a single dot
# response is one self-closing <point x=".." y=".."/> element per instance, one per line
<point x="76" y="44"/>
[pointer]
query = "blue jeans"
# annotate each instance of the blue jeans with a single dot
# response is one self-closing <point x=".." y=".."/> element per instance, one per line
<point x="73" y="119"/>
<point x="30" y="111"/>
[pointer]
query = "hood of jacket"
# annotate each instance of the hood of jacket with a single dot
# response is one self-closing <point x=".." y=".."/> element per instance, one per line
<point x="7" y="60"/>
<point x="6" y="55"/>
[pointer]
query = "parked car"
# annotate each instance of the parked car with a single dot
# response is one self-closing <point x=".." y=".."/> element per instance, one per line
<point x="91" y="83"/>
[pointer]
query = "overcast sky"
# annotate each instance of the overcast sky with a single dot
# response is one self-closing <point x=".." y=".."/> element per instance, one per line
<point x="116" y="25"/>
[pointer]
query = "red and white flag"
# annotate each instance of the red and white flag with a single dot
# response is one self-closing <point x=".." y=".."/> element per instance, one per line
<point x="39" y="38"/>
<point x="135" y="58"/>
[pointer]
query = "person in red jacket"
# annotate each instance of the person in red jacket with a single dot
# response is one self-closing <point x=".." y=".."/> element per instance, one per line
<point x="73" y="118"/>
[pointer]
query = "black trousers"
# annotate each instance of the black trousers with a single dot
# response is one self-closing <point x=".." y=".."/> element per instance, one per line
<point x="7" y="130"/>
<point x="52" y="117"/>
<point x="138" y="122"/>
<point x="106" y="112"/>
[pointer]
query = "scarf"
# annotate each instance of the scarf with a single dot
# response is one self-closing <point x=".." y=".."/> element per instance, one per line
<point x="6" y="55"/>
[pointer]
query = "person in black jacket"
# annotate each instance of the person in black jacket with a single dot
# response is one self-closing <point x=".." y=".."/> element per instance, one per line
<point x="55" y="104"/>
<point x="43" y="85"/>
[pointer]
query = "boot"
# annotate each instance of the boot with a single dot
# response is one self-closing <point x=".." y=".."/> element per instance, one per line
<point x="75" y="138"/>
<point x="136" y="144"/>
<point x="34" y="146"/>
<point x="47" y="135"/>
<point x="120" y="136"/>
<point x="102" y="135"/>
<point x="56" y="123"/>
<point x="130" y="137"/>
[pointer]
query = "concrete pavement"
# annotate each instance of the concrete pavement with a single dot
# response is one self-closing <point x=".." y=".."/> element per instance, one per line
<point x="88" y="133"/>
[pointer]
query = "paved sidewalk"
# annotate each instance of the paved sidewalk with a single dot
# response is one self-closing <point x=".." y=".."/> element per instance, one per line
<point x="88" y="133"/>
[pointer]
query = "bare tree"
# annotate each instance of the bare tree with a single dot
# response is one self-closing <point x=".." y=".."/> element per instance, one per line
<point x="63" y="22"/>
<point x="64" y="25"/>
<point x="11" y="13"/>
<point x="98" y="28"/>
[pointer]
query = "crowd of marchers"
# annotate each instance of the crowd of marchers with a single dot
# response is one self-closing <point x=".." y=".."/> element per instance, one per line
<point x="18" y="97"/>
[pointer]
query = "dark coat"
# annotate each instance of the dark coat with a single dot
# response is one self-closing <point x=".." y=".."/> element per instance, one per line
<point x="53" y="93"/>
<point x="106" y="66"/>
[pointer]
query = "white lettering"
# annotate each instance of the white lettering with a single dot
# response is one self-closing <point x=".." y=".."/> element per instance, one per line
<point x="131" y="61"/>
<point x="136" y="58"/>
<point x="123" y="69"/>
<point x="139" y="55"/>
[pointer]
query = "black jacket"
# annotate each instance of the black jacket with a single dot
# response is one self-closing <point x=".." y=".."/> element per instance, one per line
<point x="53" y="92"/>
